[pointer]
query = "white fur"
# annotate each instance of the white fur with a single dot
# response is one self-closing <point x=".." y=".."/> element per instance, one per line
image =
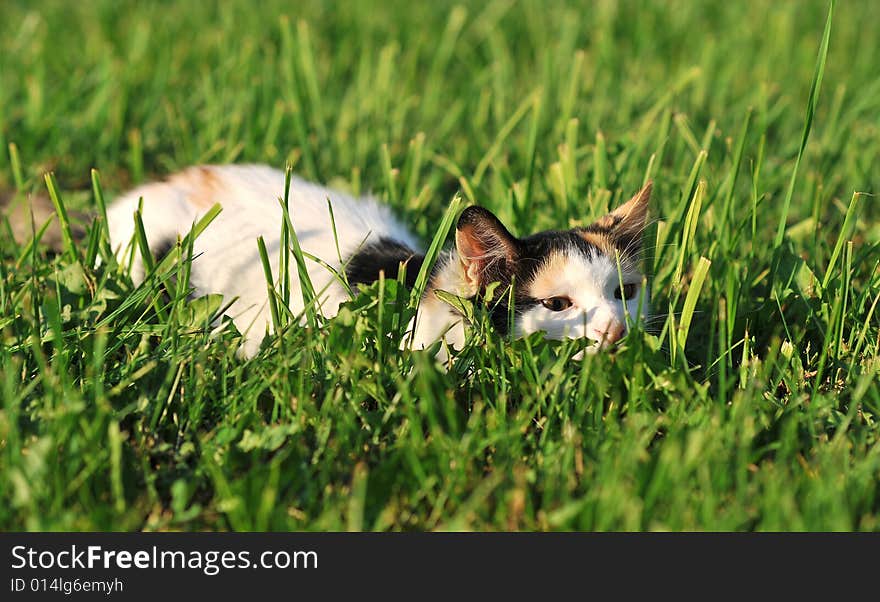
<point x="228" y="261"/>
<point x="590" y="283"/>
<point x="435" y="319"/>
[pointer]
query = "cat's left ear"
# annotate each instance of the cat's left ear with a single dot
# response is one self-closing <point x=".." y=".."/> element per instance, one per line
<point x="486" y="249"/>
<point x="625" y="224"/>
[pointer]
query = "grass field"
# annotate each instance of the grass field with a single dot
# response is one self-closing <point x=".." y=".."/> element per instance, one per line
<point x="752" y="403"/>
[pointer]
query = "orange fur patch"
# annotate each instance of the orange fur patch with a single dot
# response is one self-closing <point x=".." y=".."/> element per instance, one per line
<point x="202" y="186"/>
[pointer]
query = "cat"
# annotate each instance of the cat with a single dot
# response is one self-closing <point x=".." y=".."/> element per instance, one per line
<point x="565" y="283"/>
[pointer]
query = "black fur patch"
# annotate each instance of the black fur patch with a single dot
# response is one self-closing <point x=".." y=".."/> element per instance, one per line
<point x="384" y="255"/>
<point x="162" y="249"/>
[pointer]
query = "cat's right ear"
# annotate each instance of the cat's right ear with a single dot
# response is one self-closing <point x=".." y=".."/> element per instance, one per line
<point x="487" y="250"/>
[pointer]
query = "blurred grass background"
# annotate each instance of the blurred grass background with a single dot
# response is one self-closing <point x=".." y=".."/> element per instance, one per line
<point x="752" y="404"/>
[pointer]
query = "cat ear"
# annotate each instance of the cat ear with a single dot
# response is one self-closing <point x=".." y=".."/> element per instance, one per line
<point x="625" y="224"/>
<point x="484" y="245"/>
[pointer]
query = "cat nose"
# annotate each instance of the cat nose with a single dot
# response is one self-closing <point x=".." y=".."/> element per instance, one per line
<point x="610" y="334"/>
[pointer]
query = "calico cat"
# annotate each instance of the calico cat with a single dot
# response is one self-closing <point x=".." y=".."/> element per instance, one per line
<point x="565" y="283"/>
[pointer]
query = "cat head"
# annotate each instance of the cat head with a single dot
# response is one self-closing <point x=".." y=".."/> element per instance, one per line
<point x="564" y="283"/>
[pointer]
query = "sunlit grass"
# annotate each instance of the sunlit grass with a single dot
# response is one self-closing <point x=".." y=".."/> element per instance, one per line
<point x="750" y="401"/>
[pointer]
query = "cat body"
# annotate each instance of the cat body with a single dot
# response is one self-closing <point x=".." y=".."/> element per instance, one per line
<point x="563" y="282"/>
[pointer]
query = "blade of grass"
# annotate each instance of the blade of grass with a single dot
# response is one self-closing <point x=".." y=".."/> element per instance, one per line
<point x="270" y="286"/>
<point x="63" y="220"/>
<point x="690" y="301"/>
<point x="808" y="123"/>
<point x="15" y="164"/>
<point x="421" y="281"/>
<point x="305" y="282"/>
<point x="842" y="237"/>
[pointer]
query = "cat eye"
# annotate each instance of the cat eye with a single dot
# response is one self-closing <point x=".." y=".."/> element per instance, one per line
<point x="629" y="291"/>
<point x="556" y="303"/>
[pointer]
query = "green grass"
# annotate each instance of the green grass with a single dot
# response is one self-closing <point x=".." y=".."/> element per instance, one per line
<point x="752" y="404"/>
